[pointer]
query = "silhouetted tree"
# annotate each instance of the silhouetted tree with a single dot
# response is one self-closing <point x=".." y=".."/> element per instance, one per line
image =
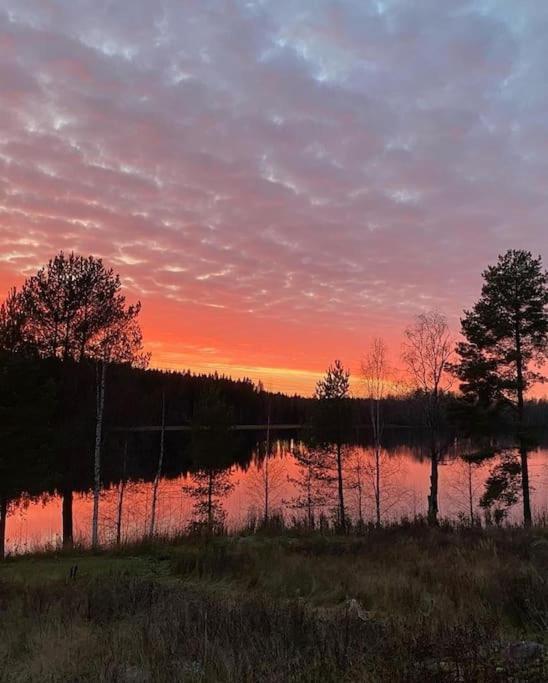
<point x="73" y="309"/>
<point x="27" y="403"/>
<point x="506" y="336"/>
<point x="375" y="376"/>
<point x="426" y="354"/>
<point x="332" y="423"/>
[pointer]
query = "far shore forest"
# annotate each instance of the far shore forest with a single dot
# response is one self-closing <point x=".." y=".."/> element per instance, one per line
<point x="75" y="379"/>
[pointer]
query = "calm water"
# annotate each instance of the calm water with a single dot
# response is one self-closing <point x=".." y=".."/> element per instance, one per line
<point x="35" y="524"/>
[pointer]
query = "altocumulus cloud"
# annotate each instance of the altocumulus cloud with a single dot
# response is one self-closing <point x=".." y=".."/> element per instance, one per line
<point x="352" y="161"/>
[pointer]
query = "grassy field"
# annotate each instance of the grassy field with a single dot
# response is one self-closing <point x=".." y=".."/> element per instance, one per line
<point x="399" y="604"/>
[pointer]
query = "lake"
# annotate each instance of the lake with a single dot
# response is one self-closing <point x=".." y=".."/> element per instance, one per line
<point x="405" y="469"/>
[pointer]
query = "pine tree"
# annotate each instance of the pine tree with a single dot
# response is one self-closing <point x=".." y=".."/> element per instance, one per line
<point x="506" y="337"/>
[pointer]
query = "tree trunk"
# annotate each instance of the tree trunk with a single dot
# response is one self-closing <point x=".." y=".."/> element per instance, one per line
<point x="159" y="470"/>
<point x="3" y="515"/>
<point x="101" y="384"/>
<point x="68" y="535"/>
<point x="121" y="497"/>
<point x="342" y="513"/>
<point x="266" y="491"/>
<point x="470" y="494"/>
<point x="360" y="492"/>
<point x="210" y="502"/>
<point x="433" y="497"/>
<point x="266" y="472"/>
<point x="526" y="494"/>
<point x="309" y="503"/>
<point x="378" y="484"/>
<point x="527" y="516"/>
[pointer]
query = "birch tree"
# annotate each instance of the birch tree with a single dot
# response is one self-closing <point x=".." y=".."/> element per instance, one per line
<point x="159" y="468"/>
<point x="427" y="351"/>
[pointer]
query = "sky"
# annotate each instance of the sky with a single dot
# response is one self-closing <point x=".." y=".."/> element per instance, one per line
<point x="277" y="181"/>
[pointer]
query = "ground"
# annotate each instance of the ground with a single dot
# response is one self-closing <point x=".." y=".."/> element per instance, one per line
<point x="400" y="604"/>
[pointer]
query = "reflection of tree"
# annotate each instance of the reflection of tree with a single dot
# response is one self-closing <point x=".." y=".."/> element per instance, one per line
<point x="265" y="481"/>
<point x="464" y="487"/>
<point x="364" y="468"/>
<point x="309" y="482"/>
<point x="502" y="487"/>
<point x="213" y="447"/>
<point x="208" y="488"/>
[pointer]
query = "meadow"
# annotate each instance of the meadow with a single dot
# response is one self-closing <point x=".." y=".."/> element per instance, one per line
<point x="400" y="603"/>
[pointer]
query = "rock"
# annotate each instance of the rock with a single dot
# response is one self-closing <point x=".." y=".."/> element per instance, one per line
<point x="355" y="609"/>
<point x="523" y="651"/>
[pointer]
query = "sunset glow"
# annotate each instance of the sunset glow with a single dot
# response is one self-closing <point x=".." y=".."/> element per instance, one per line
<point x="276" y="186"/>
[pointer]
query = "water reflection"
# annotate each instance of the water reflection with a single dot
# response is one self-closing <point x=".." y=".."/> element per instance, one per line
<point x="243" y="485"/>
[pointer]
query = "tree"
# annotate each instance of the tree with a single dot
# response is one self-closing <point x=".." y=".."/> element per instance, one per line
<point x="73" y="309"/>
<point x="156" y="482"/>
<point x="332" y="423"/>
<point x="505" y="342"/>
<point x="213" y="445"/>
<point x="27" y="403"/>
<point x="427" y="351"/>
<point x="375" y="375"/>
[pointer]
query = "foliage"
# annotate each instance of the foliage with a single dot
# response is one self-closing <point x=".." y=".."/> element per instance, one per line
<point x="506" y="332"/>
<point x="73" y="308"/>
<point x="502" y="487"/>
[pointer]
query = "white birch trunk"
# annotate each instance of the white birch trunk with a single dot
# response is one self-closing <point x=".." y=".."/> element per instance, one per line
<point x="101" y="384"/>
<point x="159" y="470"/>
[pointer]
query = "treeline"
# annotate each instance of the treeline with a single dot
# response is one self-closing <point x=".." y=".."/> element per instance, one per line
<point x="74" y="379"/>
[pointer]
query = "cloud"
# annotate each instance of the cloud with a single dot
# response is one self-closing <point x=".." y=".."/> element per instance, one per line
<point x="319" y="172"/>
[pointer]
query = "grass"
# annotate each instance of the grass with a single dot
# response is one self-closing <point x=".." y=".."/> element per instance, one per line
<point x="400" y="604"/>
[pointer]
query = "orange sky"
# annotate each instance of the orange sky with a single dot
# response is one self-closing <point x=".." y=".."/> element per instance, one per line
<point x="278" y="187"/>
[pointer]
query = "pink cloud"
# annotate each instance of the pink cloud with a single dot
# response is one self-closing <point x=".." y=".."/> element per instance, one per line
<point x="277" y="184"/>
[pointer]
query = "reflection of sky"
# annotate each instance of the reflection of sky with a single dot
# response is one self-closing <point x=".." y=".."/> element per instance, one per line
<point x="406" y="490"/>
<point x="277" y="180"/>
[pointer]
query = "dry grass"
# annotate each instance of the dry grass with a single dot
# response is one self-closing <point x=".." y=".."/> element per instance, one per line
<point x="400" y="604"/>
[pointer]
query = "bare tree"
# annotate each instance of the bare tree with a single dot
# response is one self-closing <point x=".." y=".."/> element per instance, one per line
<point x="427" y="350"/>
<point x="375" y="376"/>
<point x="266" y="480"/>
<point x="159" y="468"/>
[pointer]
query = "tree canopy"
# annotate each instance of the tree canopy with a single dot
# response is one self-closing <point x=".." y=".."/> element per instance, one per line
<point x="72" y="308"/>
<point x="506" y="331"/>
